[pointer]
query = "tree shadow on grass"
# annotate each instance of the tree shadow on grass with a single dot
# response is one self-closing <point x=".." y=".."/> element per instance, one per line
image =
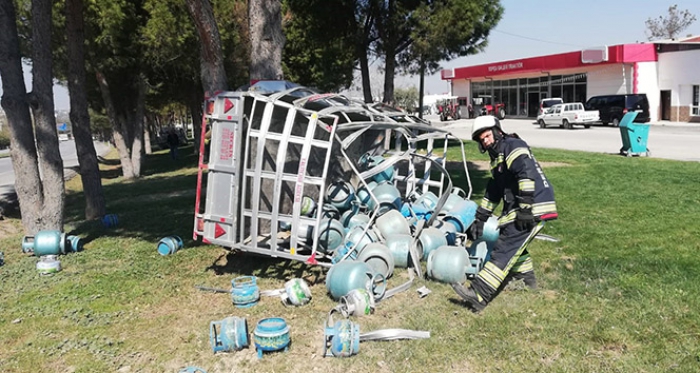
<point x="250" y="264"/>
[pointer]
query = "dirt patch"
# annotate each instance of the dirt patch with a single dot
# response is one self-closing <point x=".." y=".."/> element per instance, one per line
<point x="9" y="228"/>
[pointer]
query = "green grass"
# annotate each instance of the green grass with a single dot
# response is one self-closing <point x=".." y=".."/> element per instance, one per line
<point x="619" y="293"/>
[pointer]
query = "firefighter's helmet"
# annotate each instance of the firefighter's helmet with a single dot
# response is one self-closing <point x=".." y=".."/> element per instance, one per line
<point x="483" y="123"/>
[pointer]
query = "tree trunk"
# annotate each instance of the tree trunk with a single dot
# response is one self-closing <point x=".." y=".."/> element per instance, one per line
<point x="266" y="39"/>
<point x="389" y="72"/>
<point x="118" y="132"/>
<point x="147" y="137"/>
<point x="14" y="103"/>
<point x="52" y="193"/>
<point x="366" y="83"/>
<point x="195" y="107"/>
<point x="212" y="70"/>
<point x="79" y="117"/>
<point x="137" y="127"/>
<point x="421" y="88"/>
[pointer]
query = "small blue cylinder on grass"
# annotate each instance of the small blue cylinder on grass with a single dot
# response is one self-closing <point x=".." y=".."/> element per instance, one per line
<point x="110" y="220"/>
<point x="75" y="243"/>
<point x="245" y="292"/>
<point x="229" y="334"/>
<point x="169" y="245"/>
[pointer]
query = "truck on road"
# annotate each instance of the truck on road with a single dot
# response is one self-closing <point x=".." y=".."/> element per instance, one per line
<point x="567" y="115"/>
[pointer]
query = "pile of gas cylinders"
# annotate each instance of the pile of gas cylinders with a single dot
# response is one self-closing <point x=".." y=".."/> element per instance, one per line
<point x="369" y="225"/>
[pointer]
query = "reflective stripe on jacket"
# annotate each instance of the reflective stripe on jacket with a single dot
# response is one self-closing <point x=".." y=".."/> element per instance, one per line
<point x="515" y="173"/>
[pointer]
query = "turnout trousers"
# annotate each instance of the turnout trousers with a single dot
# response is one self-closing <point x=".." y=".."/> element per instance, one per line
<point x="509" y="257"/>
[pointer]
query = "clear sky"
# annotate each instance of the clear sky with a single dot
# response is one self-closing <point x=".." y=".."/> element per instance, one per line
<point x="532" y="28"/>
<point x="535" y="28"/>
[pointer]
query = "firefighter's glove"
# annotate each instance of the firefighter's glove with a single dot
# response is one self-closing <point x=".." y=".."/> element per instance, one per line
<point x="524" y="220"/>
<point x="477" y="228"/>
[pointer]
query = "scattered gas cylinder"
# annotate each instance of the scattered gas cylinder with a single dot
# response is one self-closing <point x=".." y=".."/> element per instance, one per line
<point x="392" y="222"/>
<point x="45" y="243"/>
<point x="229" y="334"/>
<point x="350" y="274"/>
<point x="400" y="247"/>
<point x="428" y="200"/>
<point x="479" y="253"/>
<point x="308" y="206"/>
<point x="491" y="230"/>
<point x="331" y="235"/>
<point x="169" y="245"/>
<point x="245" y="292"/>
<point x="75" y="243"/>
<point x="340" y="194"/>
<point x="448" y="264"/>
<point x="329" y="211"/>
<point x="355" y="220"/>
<point x="363" y="193"/>
<point x="296" y="292"/>
<point x="378" y="257"/>
<point x="370" y="161"/>
<point x="192" y="370"/>
<point x="110" y="220"/>
<point x="358" y="237"/>
<point x="271" y="334"/>
<point x="388" y="198"/>
<point x="462" y="214"/>
<point x="453" y="199"/>
<point x="342" y="338"/>
<point x="430" y="239"/>
<point x="2" y="258"/>
<point x="48" y="265"/>
<point x="358" y="302"/>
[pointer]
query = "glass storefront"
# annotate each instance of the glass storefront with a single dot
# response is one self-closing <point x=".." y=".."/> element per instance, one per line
<point x="522" y="96"/>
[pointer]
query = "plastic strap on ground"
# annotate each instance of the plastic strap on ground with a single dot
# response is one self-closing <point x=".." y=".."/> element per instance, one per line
<point x="393" y="334"/>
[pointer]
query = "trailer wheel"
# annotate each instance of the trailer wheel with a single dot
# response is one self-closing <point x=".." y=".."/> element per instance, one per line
<point x="501" y="113"/>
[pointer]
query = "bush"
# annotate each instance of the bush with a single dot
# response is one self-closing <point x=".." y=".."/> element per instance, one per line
<point x="4" y="137"/>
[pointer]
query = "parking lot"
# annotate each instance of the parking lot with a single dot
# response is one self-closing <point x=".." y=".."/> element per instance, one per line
<point x="679" y="141"/>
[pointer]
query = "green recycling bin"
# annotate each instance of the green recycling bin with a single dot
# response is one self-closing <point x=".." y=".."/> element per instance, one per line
<point x="634" y="136"/>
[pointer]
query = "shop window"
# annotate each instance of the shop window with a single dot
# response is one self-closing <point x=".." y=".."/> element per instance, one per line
<point x="695" y="108"/>
<point x="556" y="91"/>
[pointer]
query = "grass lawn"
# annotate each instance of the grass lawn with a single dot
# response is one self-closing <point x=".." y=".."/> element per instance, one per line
<point x="619" y="293"/>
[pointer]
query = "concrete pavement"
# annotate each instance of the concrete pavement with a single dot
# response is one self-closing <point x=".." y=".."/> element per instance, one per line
<point x="668" y="140"/>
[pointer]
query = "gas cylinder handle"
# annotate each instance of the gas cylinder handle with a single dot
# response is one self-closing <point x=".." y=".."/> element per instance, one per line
<point x="459" y="192"/>
<point x="378" y="290"/>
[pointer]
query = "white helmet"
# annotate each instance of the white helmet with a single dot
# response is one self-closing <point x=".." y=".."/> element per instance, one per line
<point x="483" y="123"/>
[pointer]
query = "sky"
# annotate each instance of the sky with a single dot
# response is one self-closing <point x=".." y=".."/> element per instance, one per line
<point x="533" y="28"/>
<point x="537" y="28"/>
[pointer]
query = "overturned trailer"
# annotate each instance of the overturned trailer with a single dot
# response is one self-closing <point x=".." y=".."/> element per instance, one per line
<point x="282" y="167"/>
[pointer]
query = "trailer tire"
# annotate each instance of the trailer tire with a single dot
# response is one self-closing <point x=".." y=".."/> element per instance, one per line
<point x="501" y="113"/>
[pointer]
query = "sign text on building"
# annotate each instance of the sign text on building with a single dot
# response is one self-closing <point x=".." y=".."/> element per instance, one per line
<point x="506" y="66"/>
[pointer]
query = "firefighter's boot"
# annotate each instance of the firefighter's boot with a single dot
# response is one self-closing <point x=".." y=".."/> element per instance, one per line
<point x="470" y="297"/>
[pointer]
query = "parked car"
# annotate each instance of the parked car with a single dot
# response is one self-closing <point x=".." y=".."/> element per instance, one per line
<point x="568" y="115"/>
<point x="613" y="107"/>
<point x="547" y="103"/>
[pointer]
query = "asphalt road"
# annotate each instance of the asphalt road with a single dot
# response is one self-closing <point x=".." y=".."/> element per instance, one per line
<point x="70" y="159"/>
<point x="677" y="141"/>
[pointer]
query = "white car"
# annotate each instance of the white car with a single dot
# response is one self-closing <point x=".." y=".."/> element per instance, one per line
<point x="567" y="115"/>
<point x="547" y="103"/>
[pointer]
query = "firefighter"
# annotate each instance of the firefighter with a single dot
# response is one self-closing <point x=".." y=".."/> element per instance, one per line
<point x="528" y="201"/>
